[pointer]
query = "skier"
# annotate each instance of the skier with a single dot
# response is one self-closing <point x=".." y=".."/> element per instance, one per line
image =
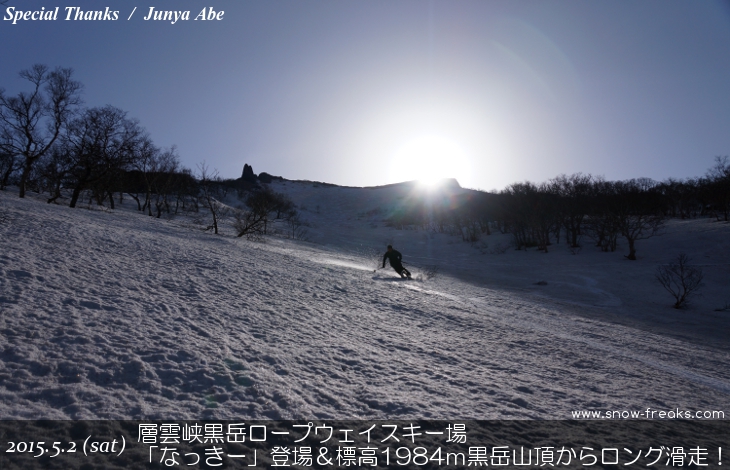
<point x="395" y="262"/>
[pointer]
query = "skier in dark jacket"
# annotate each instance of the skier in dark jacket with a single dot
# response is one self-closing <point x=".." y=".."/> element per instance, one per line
<point x="395" y="257"/>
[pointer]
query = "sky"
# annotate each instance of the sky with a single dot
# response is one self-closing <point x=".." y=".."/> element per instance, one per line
<point x="365" y="93"/>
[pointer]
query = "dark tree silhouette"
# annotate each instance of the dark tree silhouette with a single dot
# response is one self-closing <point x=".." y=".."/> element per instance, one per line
<point x="718" y="188"/>
<point x="31" y="122"/>
<point x="573" y="192"/>
<point x="637" y="212"/>
<point x="211" y="192"/>
<point x="102" y="143"/>
<point x="680" y="279"/>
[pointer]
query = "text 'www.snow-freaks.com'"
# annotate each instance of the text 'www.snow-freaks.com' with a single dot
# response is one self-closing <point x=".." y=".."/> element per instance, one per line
<point x="648" y="414"/>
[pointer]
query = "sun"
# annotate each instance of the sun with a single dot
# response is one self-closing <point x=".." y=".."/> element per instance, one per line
<point x="429" y="159"/>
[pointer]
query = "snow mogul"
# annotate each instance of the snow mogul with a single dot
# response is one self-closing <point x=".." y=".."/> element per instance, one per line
<point x="395" y="258"/>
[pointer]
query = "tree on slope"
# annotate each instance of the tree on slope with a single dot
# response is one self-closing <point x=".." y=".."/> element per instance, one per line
<point x="680" y="279"/>
<point x="102" y="143"/>
<point x="253" y="221"/>
<point x="31" y="122"/>
<point x="718" y="187"/>
<point x="637" y="212"/>
<point x="7" y="167"/>
<point x="573" y="193"/>
<point x="210" y="193"/>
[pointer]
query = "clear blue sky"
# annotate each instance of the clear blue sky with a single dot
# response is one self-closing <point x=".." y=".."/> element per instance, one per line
<point x="372" y="92"/>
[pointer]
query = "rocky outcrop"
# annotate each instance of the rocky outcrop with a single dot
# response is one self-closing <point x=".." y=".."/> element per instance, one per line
<point x="248" y="174"/>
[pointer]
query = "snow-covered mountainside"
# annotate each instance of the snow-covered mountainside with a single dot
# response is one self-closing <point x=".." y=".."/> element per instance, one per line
<point x="112" y="314"/>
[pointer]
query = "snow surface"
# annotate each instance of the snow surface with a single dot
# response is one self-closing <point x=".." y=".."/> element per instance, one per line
<point x="114" y="315"/>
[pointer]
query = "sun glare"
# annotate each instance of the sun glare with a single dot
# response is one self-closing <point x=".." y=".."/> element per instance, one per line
<point x="429" y="159"/>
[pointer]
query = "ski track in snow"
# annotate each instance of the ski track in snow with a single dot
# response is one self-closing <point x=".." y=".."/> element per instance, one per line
<point x="117" y="315"/>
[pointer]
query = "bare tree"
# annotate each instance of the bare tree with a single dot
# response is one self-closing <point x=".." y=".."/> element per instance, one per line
<point x="681" y="197"/>
<point x="102" y="143"/>
<point x="637" y="212"/>
<point x="249" y="223"/>
<point x="680" y="279"/>
<point x="141" y="178"/>
<point x="531" y="214"/>
<point x="601" y="223"/>
<point x="55" y="168"/>
<point x="297" y="227"/>
<point x="253" y="221"/>
<point x="7" y="167"/>
<point x="167" y="169"/>
<point x="573" y="192"/>
<point x="262" y="203"/>
<point x="210" y="194"/>
<point x="31" y="122"/>
<point x="638" y="227"/>
<point x="185" y="188"/>
<point x="718" y="187"/>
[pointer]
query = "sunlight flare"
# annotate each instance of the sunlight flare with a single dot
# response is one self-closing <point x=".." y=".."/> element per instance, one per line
<point x="429" y="159"/>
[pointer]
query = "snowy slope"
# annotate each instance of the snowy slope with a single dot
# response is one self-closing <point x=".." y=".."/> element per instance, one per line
<point x="111" y="314"/>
